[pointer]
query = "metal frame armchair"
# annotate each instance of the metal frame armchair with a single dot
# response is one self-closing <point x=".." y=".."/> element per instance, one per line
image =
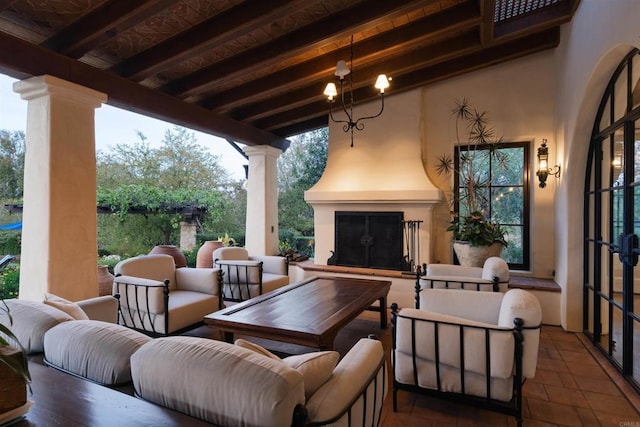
<point x="159" y="299"/>
<point x="492" y="276"/>
<point x="470" y="347"/>
<point x="247" y="276"/>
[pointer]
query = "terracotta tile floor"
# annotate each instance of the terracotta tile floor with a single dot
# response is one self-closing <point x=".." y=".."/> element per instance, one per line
<point x="574" y="386"/>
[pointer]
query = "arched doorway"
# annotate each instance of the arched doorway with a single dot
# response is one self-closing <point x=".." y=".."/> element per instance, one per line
<point x="612" y="223"/>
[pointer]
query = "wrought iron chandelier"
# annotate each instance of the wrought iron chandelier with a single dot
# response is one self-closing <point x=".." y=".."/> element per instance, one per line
<point x="347" y="106"/>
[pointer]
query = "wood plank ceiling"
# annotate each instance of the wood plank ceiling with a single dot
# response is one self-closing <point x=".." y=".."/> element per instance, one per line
<point x="254" y="71"/>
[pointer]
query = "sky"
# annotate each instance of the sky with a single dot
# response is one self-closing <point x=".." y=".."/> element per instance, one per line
<point x="115" y="126"/>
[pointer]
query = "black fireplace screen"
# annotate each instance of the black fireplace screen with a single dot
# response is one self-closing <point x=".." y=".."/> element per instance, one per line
<point x="369" y="239"/>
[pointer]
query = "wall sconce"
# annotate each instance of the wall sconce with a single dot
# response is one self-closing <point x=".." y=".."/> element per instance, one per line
<point x="543" y="165"/>
<point x="331" y="92"/>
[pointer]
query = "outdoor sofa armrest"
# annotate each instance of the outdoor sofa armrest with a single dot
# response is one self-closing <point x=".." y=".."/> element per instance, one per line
<point x="203" y="280"/>
<point x="360" y="375"/>
<point x="273" y="264"/>
<point x="103" y="308"/>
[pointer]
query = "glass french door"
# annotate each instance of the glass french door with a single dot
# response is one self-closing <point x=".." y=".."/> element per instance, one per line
<point x="612" y="223"/>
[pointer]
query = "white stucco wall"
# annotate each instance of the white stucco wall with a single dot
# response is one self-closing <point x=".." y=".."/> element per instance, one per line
<point x="518" y="98"/>
<point x="599" y="36"/>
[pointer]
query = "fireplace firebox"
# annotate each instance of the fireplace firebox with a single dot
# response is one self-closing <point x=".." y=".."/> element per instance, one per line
<point x="369" y="240"/>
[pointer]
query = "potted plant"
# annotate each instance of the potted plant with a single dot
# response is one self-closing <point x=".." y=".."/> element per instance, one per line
<point x="475" y="236"/>
<point x="14" y="368"/>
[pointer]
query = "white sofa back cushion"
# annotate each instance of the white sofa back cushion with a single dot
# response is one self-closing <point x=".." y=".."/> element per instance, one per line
<point x="230" y="253"/>
<point x="217" y="382"/>
<point x="31" y="320"/>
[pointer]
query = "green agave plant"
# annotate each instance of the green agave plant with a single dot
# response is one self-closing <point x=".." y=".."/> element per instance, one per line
<point x="471" y="224"/>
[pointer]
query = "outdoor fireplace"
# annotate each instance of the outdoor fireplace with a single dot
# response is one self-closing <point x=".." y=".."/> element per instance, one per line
<point x="369" y="239"/>
<point x="381" y="174"/>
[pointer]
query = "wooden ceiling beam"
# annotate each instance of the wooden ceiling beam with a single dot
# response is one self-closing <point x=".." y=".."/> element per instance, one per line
<point x="365" y="77"/>
<point x="209" y="34"/>
<point x="21" y="58"/>
<point x="101" y="24"/>
<point x="452" y="20"/>
<point x="317" y="35"/>
<point x="488" y="8"/>
<point x="499" y="53"/>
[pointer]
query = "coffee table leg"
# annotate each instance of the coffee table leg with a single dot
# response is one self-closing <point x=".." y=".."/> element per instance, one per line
<point x="228" y="336"/>
<point x="383" y="312"/>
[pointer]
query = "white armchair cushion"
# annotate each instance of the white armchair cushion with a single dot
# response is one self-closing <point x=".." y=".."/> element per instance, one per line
<point x="495" y="267"/>
<point x="230" y="253"/>
<point x="453" y="270"/>
<point x="158" y="267"/>
<point x="523" y="304"/>
<point x="478" y="306"/>
<point x="272" y="264"/>
<point x="203" y="280"/>
<point x="236" y="271"/>
<point x="152" y="293"/>
<point x="501" y="342"/>
<point x="103" y="308"/>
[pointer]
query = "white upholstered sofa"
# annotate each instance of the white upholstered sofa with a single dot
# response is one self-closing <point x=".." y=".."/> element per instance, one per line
<point x="160" y="299"/>
<point x="244" y="385"/>
<point x="473" y="347"/>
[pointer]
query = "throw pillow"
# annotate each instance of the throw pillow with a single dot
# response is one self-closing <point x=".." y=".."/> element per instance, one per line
<point x="256" y="348"/>
<point x="316" y="368"/>
<point x="71" y="308"/>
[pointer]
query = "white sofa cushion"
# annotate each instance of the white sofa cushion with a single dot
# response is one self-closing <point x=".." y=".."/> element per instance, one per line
<point x="255" y="348"/>
<point x="501" y="342"/>
<point x="98" y="351"/>
<point x="31" y="319"/>
<point x="230" y="253"/>
<point x="217" y="382"/>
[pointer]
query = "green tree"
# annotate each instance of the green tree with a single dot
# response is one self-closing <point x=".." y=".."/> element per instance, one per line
<point x="299" y="168"/>
<point x="178" y="173"/>
<point x="12" y="149"/>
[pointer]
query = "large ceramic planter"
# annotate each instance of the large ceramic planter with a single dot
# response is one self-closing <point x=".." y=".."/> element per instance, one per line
<point x="204" y="258"/>
<point x="13" y="389"/>
<point x="105" y="281"/>
<point x="475" y="256"/>
<point x="175" y="252"/>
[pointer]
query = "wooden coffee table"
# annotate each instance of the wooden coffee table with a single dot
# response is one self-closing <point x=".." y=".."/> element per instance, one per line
<point x="308" y="313"/>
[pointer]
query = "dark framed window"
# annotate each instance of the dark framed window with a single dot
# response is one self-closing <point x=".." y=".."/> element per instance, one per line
<point x="504" y="194"/>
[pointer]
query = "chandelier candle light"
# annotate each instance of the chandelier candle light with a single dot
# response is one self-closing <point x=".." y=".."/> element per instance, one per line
<point x="331" y="92"/>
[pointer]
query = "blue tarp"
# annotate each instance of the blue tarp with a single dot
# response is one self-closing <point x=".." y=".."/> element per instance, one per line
<point x="13" y="226"/>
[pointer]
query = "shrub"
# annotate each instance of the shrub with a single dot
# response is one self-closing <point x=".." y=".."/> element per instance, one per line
<point x="10" y="281"/>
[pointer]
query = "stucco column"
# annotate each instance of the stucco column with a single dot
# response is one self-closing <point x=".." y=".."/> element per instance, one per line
<point x="59" y="235"/>
<point x="262" y="200"/>
<point x="187" y="236"/>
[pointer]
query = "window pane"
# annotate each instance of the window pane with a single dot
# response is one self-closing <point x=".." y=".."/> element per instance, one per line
<point x="508" y="205"/>
<point x="620" y="96"/>
<point x="514" y="252"/>
<point x="605" y="120"/>
<point x="636" y="151"/>
<point x="635" y="80"/>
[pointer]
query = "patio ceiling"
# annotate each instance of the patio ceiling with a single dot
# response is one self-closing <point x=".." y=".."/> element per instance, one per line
<point x="254" y="71"/>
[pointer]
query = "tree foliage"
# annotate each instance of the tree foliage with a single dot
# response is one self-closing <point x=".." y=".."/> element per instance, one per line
<point x="299" y="168"/>
<point x="179" y="173"/>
